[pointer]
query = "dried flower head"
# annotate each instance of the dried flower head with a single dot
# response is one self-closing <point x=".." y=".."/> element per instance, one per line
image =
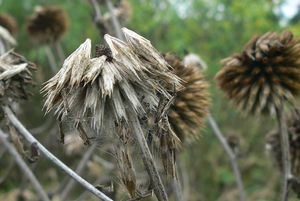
<point x="106" y="90"/>
<point x="190" y="108"/>
<point x="116" y="91"/>
<point x="273" y="144"/>
<point x="264" y="74"/>
<point x="15" y="76"/>
<point x="47" y="25"/>
<point x="9" y="23"/>
<point x="194" y="60"/>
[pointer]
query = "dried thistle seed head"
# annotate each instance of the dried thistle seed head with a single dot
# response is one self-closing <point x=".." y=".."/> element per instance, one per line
<point x="190" y="108"/>
<point x="9" y="23"/>
<point x="47" y="24"/>
<point x="273" y="144"/>
<point x="194" y="60"/>
<point x="105" y="92"/>
<point x="15" y="77"/>
<point x="264" y="74"/>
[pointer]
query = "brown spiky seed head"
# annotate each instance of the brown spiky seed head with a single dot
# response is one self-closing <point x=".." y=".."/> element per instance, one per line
<point x="264" y="74"/>
<point x="47" y="25"/>
<point x="190" y="108"/>
<point x="15" y="77"/>
<point x="9" y="23"/>
<point x="274" y="146"/>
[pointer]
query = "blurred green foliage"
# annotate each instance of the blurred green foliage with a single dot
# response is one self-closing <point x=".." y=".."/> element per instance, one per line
<point x="213" y="29"/>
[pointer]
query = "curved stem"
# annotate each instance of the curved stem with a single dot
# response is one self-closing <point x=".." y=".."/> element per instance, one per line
<point x="29" y="137"/>
<point x="285" y="149"/>
<point x="115" y="21"/>
<point x="82" y="164"/>
<point x="231" y="155"/>
<point x="147" y="157"/>
<point x="51" y="59"/>
<point x="23" y="166"/>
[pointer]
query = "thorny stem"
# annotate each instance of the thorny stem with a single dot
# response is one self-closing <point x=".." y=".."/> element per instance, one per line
<point x="285" y="148"/>
<point x="51" y="59"/>
<point x="23" y="166"/>
<point x="231" y="155"/>
<point x="115" y="21"/>
<point x="147" y="157"/>
<point x="82" y="164"/>
<point x="29" y="137"/>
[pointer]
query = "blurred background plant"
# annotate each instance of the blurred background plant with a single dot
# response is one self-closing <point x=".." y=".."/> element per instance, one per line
<point x="213" y="29"/>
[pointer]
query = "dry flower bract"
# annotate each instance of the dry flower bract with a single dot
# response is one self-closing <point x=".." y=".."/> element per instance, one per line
<point x="190" y="107"/>
<point x="15" y="76"/>
<point x="47" y="25"/>
<point x="105" y="91"/>
<point x="264" y="74"/>
<point x="9" y="23"/>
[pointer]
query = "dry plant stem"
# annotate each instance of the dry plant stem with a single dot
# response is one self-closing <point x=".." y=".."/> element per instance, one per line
<point x="147" y="157"/>
<point x="231" y="155"/>
<point x="185" y="180"/>
<point x="96" y="9"/>
<point x="42" y="128"/>
<point x="7" y="171"/>
<point x="115" y="21"/>
<point x="285" y="148"/>
<point x="2" y="152"/>
<point x="23" y="166"/>
<point x="82" y="164"/>
<point x="29" y="137"/>
<point x="51" y="59"/>
<point x="60" y="52"/>
<point x="177" y="190"/>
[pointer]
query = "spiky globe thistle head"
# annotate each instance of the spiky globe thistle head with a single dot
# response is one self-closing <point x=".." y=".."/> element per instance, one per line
<point x="112" y="88"/>
<point x="15" y="77"/>
<point x="9" y="23"/>
<point x="264" y="74"/>
<point x="190" y="108"/>
<point x="47" y="24"/>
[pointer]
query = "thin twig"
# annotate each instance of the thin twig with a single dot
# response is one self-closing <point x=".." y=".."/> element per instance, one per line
<point x="42" y="128"/>
<point x="96" y="9"/>
<point x="60" y="52"/>
<point x="285" y="148"/>
<point x="177" y="190"/>
<point x="231" y="155"/>
<point x="147" y="157"/>
<point x="51" y="59"/>
<point x="29" y="137"/>
<point x="115" y="21"/>
<point x="7" y="171"/>
<point x="82" y="164"/>
<point x="23" y="166"/>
